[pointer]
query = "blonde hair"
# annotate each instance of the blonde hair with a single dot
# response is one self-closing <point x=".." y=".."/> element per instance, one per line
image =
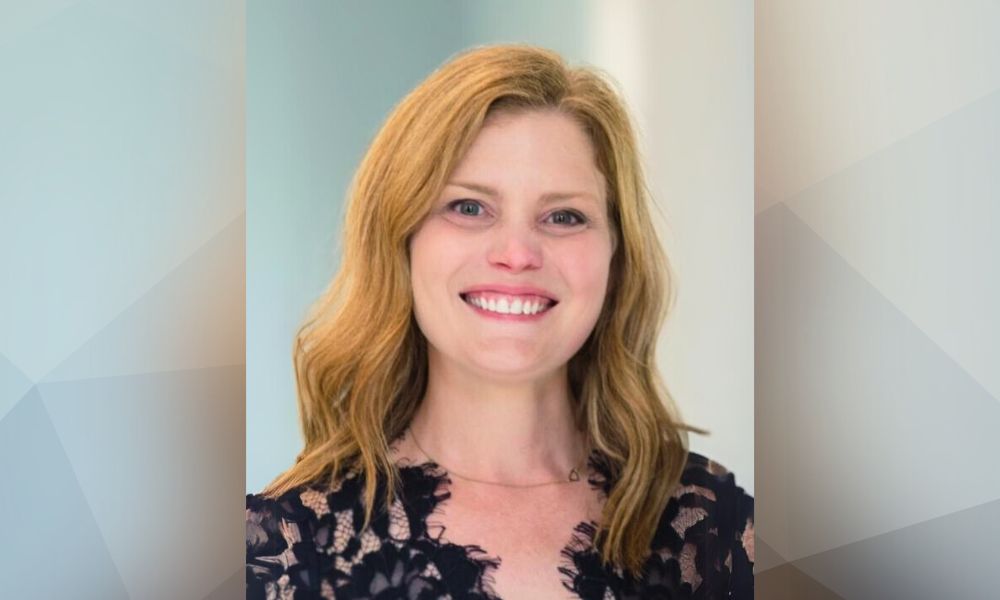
<point x="361" y="360"/>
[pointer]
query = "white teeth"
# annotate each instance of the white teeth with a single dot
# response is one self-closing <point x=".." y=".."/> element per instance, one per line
<point x="504" y="306"/>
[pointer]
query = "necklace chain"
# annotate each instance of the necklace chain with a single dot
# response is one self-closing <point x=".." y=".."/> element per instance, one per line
<point x="574" y="473"/>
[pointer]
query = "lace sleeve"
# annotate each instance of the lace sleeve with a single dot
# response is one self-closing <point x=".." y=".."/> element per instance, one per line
<point x="280" y="555"/>
<point x="704" y="545"/>
<point x="741" y="554"/>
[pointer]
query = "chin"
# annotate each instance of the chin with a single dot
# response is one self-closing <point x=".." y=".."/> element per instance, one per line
<point x="510" y="369"/>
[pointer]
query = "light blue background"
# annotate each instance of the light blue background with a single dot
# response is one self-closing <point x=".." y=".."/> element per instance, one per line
<point x="122" y="299"/>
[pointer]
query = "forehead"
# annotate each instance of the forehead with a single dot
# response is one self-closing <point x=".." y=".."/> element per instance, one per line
<point x="534" y="152"/>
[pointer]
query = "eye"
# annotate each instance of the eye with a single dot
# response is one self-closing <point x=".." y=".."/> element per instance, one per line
<point x="569" y="218"/>
<point x="465" y="207"/>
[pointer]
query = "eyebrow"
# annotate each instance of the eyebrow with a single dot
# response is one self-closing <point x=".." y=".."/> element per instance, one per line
<point x="546" y="198"/>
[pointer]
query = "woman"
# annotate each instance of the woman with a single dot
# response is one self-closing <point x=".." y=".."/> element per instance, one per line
<point x="481" y="410"/>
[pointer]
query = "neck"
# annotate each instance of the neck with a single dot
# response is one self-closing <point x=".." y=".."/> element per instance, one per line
<point x="501" y="431"/>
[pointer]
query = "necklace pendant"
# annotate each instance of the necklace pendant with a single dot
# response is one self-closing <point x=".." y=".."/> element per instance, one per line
<point x="573" y="475"/>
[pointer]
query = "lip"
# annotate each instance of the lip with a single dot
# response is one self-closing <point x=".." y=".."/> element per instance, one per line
<point x="512" y="290"/>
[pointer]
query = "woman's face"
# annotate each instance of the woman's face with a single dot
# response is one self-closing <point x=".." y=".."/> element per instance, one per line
<point x="522" y="225"/>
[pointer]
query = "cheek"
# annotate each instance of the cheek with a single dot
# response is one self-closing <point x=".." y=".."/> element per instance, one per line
<point x="434" y="257"/>
<point x="586" y="268"/>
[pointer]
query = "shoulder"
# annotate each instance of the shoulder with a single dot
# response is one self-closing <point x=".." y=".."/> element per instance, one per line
<point x="705" y="477"/>
<point x="276" y="523"/>
<point x="708" y="514"/>
<point x="279" y="544"/>
<point x="707" y="490"/>
<point x="286" y="535"/>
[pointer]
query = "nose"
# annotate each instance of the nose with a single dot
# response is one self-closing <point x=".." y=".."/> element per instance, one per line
<point x="515" y="249"/>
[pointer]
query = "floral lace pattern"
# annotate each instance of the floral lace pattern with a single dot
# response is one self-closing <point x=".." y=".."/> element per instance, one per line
<point x="309" y="543"/>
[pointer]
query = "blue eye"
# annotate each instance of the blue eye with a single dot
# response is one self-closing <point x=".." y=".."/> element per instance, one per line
<point x="468" y="208"/>
<point x="568" y="218"/>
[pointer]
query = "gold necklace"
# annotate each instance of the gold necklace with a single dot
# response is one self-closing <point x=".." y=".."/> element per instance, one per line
<point x="574" y="473"/>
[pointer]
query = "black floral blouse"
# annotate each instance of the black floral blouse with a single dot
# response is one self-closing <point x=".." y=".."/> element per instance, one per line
<point x="309" y="544"/>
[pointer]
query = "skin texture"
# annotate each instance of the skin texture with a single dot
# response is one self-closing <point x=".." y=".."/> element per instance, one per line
<point x="497" y="406"/>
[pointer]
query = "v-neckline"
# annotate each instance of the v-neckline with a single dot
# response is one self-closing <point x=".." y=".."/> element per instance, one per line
<point x="427" y="485"/>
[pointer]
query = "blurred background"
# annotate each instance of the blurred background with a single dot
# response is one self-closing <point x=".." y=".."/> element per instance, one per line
<point x="122" y="299"/>
<point x="877" y="354"/>
<point x="322" y="77"/>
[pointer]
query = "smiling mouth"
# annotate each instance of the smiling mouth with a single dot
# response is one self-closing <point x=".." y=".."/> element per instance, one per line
<point x="527" y="305"/>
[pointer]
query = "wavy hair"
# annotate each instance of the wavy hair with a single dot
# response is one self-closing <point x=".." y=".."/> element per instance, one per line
<point x="361" y="360"/>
